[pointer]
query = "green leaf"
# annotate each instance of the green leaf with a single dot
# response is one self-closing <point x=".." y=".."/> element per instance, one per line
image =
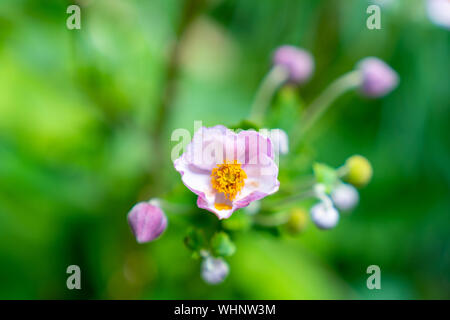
<point x="221" y="245"/>
<point x="326" y="175"/>
<point x="245" y="125"/>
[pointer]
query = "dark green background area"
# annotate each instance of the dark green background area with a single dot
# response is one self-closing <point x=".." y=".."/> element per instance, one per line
<point x="78" y="114"/>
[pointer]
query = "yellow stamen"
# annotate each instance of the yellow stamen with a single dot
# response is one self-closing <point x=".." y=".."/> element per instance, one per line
<point x="222" y="206"/>
<point x="228" y="178"/>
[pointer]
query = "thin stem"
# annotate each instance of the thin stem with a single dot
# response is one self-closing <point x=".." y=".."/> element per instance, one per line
<point x="296" y="197"/>
<point x="190" y="11"/>
<point x="271" y="82"/>
<point x="272" y="220"/>
<point x="175" y="208"/>
<point x="338" y="87"/>
<point x="342" y="171"/>
<point x="306" y="182"/>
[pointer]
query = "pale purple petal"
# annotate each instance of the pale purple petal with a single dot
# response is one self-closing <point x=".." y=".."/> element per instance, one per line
<point x="210" y="146"/>
<point x="253" y="148"/>
<point x="280" y="140"/>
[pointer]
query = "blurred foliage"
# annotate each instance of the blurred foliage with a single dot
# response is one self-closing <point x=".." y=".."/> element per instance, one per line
<point x="78" y="112"/>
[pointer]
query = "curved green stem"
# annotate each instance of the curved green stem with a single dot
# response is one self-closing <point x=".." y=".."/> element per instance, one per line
<point x="344" y="83"/>
<point x="271" y="82"/>
<point x="271" y="220"/>
<point x="170" y="206"/>
<point x="342" y="171"/>
<point x="296" y="197"/>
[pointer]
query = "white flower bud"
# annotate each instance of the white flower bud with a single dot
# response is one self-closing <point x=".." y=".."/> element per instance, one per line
<point x="214" y="270"/>
<point x="345" y="197"/>
<point x="439" y="12"/>
<point x="324" y="216"/>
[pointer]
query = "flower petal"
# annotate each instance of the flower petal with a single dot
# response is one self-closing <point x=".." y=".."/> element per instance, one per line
<point x="210" y="146"/>
<point x="252" y="146"/>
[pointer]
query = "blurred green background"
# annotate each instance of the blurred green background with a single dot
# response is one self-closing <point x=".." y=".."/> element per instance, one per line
<point x="82" y="139"/>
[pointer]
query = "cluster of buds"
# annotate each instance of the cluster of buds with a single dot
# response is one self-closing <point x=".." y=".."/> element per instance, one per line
<point x="334" y="193"/>
<point x="376" y="78"/>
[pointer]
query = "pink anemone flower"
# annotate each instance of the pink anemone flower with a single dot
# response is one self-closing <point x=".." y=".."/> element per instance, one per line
<point x="228" y="170"/>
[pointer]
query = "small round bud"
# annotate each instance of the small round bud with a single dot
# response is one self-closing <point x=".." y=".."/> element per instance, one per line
<point x="359" y="171"/>
<point x="378" y="79"/>
<point x="299" y="63"/>
<point x="345" y="197"/>
<point x="324" y="216"/>
<point x="147" y="221"/>
<point x="298" y="220"/>
<point x="214" y="270"/>
<point x="439" y="12"/>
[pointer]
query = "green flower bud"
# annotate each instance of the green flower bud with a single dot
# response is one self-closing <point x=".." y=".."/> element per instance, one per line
<point x="359" y="171"/>
<point x="222" y="245"/>
<point x="297" y="221"/>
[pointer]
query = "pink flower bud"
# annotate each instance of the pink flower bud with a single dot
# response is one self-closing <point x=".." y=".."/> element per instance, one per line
<point x="378" y="79"/>
<point x="299" y="63"/>
<point x="147" y="221"/>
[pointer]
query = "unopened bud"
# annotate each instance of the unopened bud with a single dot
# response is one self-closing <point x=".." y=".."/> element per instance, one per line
<point x="298" y="63"/>
<point x="345" y="197"/>
<point x="298" y="221"/>
<point x="378" y="79"/>
<point x="214" y="270"/>
<point x="147" y="221"/>
<point x="439" y="12"/>
<point x="359" y="171"/>
<point x="324" y="216"/>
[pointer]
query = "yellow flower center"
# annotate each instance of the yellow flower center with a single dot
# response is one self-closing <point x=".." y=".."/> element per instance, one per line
<point x="228" y="178"/>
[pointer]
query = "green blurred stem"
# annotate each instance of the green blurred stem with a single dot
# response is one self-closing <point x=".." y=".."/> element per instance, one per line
<point x="174" y="208"/>
<point x="270" y="84"/>
<point x="342" y="171"/>
<point x="288" y="200"/>
<point x="191" y="9"/>
<point x="271" y="220"/>
<point x="341" y="85"/>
